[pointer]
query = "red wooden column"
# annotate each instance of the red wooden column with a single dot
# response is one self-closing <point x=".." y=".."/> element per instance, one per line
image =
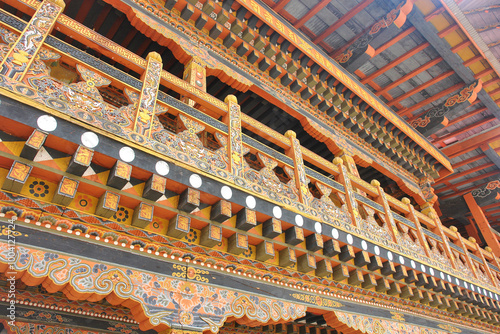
<point x="23" y="52"/>
<point x="483" y="224"/>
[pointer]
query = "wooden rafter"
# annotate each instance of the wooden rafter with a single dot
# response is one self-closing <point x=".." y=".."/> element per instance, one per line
<point x="319" y="6"/>
<point x="280" y="5"/>
<point x="421" y="87"/>
<point x="471" y="180"/>
<point x="466" y="116"/>
<point x="408" y="111"/>
<point x="395" y="62"/>
<point x="410" y="75"/>
<point x="346" y="17"/>
<point x="394" y="40"/>
<point x="471" y="143"/>
<point x="464" y="173"/>
<point x="470" y="127"/>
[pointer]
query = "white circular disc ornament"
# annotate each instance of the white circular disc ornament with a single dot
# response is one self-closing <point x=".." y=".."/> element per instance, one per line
<point x="335" y="233"/>
<point x="195" y="181"/>
<point x="376" y="249"/>
<point x="390" y="256"/>
<point x="251" y="202"/>
<point x="162" y="168"/>
<point x="317" y="227"/>
<point x="441" y="275"/>
<point x="364" y="245"/>
<point x="431" y="271"/>
<point x="127" y="154"/>
<point x="299" y="220"/>
<point x="277" y="213"/>
<point x="350" y="239"/>
<point x="401" y="260"/>
<point x="413" y="264"/>
<point x="89" y="139"/>
<point x="226" y="192"/>
<point x="422" y="268"/>
<point x="46" y="123"/>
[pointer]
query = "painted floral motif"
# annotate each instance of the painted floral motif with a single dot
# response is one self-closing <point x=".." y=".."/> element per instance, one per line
<point x="121" y="215"/>
<point x="164" y="300"/>
<point x="39" y="189"/>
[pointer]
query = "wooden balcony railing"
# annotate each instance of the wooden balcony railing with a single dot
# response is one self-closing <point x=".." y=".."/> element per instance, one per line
<point x="331" y="193"/>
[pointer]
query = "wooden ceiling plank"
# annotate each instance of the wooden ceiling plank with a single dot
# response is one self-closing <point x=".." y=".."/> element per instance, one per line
<point x="410" y="75"/>
<point x="280" y="5"/>
<point x="466" y="172"/>
<point x="395" y="62"/>
<point x="471" y="143"/>
<point x="421" y="87"/>
<point x="469" y="161"/>
<point x="315" y="10"/>
<point x="394" y="40"/>
<point x="466" y="116"/>
<point x="465" y="129"/>
<point x="408" y="111"/>
<point x="346" y="17"/>
<point x="474" y="179"/>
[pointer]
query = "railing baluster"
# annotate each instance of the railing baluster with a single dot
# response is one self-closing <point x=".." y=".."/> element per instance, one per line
<point x="300" y="174"/>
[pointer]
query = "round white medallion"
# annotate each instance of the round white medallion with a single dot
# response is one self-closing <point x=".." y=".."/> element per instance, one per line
<point x="317" y="227"/>
<point x="457" y="281"/>
<point x="127" y="154"/>
<point x="162" y="168"/>
<point x="413" y="264"/>
<point x="335" y="233"/>
<point x="376" y="249"/>
<point x="89" y="139"/>
<point x="431" y="271"/>
<point x="441" y="275"/>
<point x="364" y="245"/>
<point x="47" y="123"/>
<point x="472" y="288"/>
<point x="350" y="239"/>
<point x="466" y="285"/>
<point x="390" y="256"/>
<point x="277" y="213"/>
<point x="250" y="202"/>
<point x="449" y="278"/>
<point x="299" y="220"/>
<point x="422" y="268"/>
<point x="226" y="192"/>
<point x="195" y="181"/>
<point x="401" y="260"/>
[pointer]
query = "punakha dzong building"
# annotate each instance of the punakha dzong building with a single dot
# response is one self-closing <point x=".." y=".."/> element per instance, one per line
<point x="249" y="166"/>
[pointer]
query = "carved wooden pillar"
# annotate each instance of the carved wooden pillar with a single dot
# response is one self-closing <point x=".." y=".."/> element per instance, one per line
<point x="413" y="217"/>
<point x="143" y="123"/>
<point x="352" y="205"/>
<point x="351" y="167"/>
<point x="428" y="210"/>
<point x="196" y="74"/>
<point x="301" y="181"/>
<point x="382" y="200"/>
<point x="23" y="52"/>
<point x="234" y="143"/>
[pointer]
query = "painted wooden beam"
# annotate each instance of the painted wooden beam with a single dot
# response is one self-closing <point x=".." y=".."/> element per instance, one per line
<point x="471" y="143"/>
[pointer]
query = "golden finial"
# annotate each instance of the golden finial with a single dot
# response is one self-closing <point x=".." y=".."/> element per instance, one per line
<point x="231" y="98"/>
<point x="375" y="183"/>
<point x="290" y="134"/>
<point x="405" y="200"/>
<point x="154" y="55"/>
